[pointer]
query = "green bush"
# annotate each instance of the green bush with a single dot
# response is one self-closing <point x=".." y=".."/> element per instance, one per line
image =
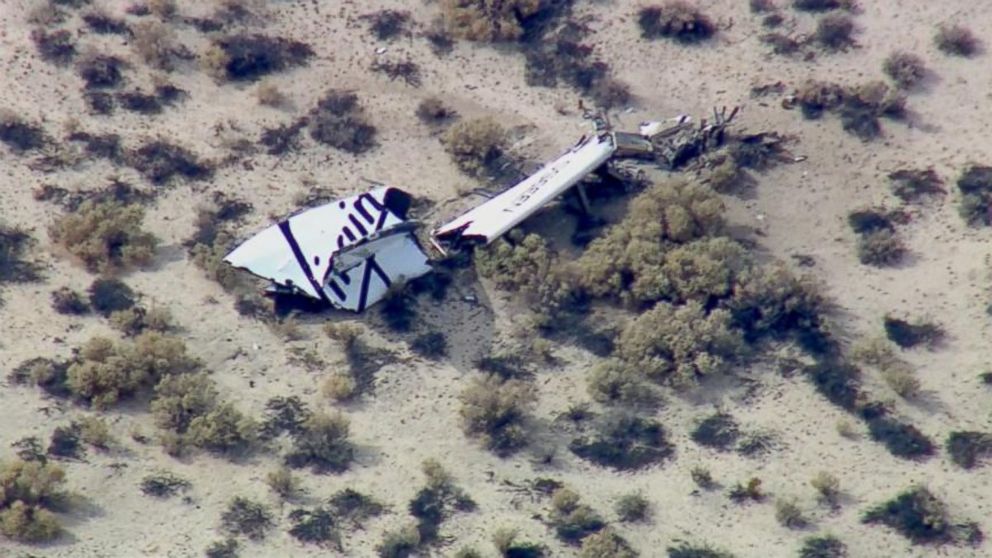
<point x="493" y="409"/>
<point x="967" y="449"/>
<point x="922" y="518"/>
<point x="475" y="145"/>
<point x="751" y="491"/>
<point x="686" y="550"/>
<point x="105" y="372"/>
<point x="164" y="485"/>
<point x="826" y="546"/>
<point x="624" y="442"/>
<point x="247" y="517"/>
<point x="27" y="490"/>
<point x="223" y="429"/>
<point x="606" y="543"/>
<point x="487" y="20"/>
<point x="322" y="443"/>
<point x="719" y="431"/>
<point x="676" y="20"/>
<point x="633" y="507"/>
<point x="14" y="244"/>
<point x="956" y="40"/>
<point x="679" y="344"/>
<point x="136" y="319"/>
<point x="771" y="301"/>
<point x="106" y="236"/>
<point x="612" y="382"/>
<point x="626" y="262"/>
<point x="571" y="519"/>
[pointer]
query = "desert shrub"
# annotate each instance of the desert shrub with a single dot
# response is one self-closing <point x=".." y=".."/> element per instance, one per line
<point x="493" y="409"/>
<point x="99" y="102"/>
<point x="322" y="443"/>
<point x="880" y="248"/>
<point x="826" y="546"/>
<point x="509" y="546"/>
<point x="316" y="526"/>
<point x="719" y="431"/>
<point x="816" y="97"/>
<point x="339" y="386"/>
<point x="387" y="24"/>
<point x="838" y="381"/>
<point x="975" y="184"/>
<point x="907" y="334"/>
<point x="516" y="263"/>
<point x="436" y="501"/>
<point x="108" y="295"/>
<point x="956" y="40"/>
<point x="28" y="489"/>
<point x="624" y="442"/>
<point x="100" y="22"/>
<point x="101" y="71"/>
<point x="789" y="514"/>
<point x="247" y="517"/>
<point x="901" y="439"/>
<point x="354" y="507"/>
<point x="56" y="47"/>
<point x="48" y="374"/>
<point x="30" y="449"/>
<point x="94" y="431"/>
<point x="822" y="5"/>
<point x="678" y="344"/>
<point x="865" y="104"/>
<point x="967" y="449"/>
<point x="828" y="488"/>
<point x="434" y="111"/>
<point x="676" y="20"/>
<point x="704" y="269"/>
<point x="159" y="161"/>
<point x="283" y="483"/>
<point x="105" y="373"/>
<point x="106" y="236"/>
<point x="625" y="262"/>
<point x="902" y="381"/>
<point x="611" y="382"/>
<point x="906" y="69"/>
<point x="156" y="45"/>
<point x="761" y="6"/>
<point x="834" y="31"/>
<point x="431" y="344"/>
<point x="781" y="43"/>
<point x="475" y="145"/>
<point x="910" y="185"/>
<point x="487" y="20"/>
<point x="406" y="70"/>
<point x="771" y="301"/>
<point x="14" y="244"/>
<point x="686" y="550"/>
<point x="164" y="485"/>
<point x="223" y="429"/>
<point x="65" y="442"/>
<point x="227" y="548"/>
<point x="247" y="57"/>
<point x="606" y="543"/>
<point x="921" y="517"/>
<point x="633" y="507"/>
<point x="400" y="543"/>
<point x="751" y="491"/>
<point x="339" y="121"/>
<point x="68" y="301"/>
<point x="283" y="138"/>
<point x="285" y="414"/>
<point x="570" y="518"/>
<point x="703" y="478"/>
<point x="19" y="135"/>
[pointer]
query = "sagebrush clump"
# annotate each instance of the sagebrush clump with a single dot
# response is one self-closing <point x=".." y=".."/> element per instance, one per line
<point x="676" y="20"/>
<point x="921" y="517"/>
<point x="975" y="184"/>
<point x="322" y="443"/>
<point x="493" y="409"/>
<point x="487" y="20"/>
<point x="250" y="57"/>
<point x="106" y="236"/>
<point x="906" y="69"/>
<point x="339" y="121"/>
<point x="29" y="490"/>
<point x="956" y="40"/>
<point x="14" y="268"/>
<point x="475" y="145"/>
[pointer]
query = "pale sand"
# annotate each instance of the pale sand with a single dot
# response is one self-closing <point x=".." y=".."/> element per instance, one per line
<point x="413" y="414"/>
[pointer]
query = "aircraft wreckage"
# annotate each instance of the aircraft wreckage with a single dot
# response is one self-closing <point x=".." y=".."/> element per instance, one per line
<point x="349" y="252"/>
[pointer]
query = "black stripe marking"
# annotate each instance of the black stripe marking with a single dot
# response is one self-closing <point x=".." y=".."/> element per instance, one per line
<point x="337" y="290"/>
<point x="358" y="225"/>
<point x="370" y="266"/>
<point x="301" y="260"/>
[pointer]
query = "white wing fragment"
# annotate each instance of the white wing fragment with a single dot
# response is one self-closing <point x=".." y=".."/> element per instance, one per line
<point x="347" y="253"/>
<point x="492" y="219"/>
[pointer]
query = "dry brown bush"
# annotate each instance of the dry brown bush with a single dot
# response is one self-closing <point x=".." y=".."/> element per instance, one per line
<point x="906" y="69"/>
<point x="27" y="490"/>
<point x="156" y="45"/>
<point x="493" y="409"/>
<point x="487" y="20"/>
<point x="677" y="20"/>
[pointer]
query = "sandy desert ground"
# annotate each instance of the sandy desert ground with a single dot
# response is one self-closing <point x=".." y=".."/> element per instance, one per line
<point x="798" y="208"/>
